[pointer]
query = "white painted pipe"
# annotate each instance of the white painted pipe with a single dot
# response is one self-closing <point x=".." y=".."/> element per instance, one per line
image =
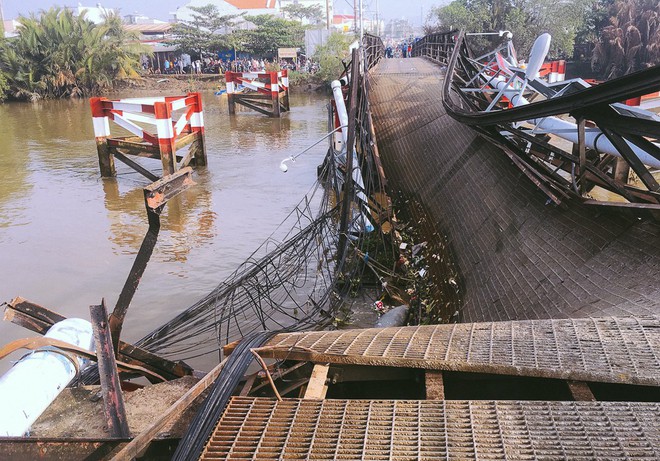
<point x="341" y="108"/>
<point x="342" y="114"/>
<point x="37" y="379"/>
<point x="594" y="138"/>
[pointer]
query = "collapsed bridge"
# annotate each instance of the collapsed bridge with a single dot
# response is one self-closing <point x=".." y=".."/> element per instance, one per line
<point x="555" y="349"/>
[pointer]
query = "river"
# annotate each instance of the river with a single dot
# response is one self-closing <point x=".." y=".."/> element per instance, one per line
<point x="68" y="237"/>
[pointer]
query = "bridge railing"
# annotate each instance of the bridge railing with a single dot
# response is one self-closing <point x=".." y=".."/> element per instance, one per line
<point x="438" y="46"/>
<point x="574" y="141"/>
<point x="374" y="50"/>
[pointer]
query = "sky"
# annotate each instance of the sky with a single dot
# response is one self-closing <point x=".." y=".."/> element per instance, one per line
<point x="412" y="10"/>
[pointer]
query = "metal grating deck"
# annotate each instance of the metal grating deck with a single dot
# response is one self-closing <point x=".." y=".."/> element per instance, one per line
<point x="617" y="350"/>
<point x="431" y="430"/>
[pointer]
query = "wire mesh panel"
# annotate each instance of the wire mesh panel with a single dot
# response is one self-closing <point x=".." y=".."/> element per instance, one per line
<point x="608" y="349"/>
<point x="431" y="430"/>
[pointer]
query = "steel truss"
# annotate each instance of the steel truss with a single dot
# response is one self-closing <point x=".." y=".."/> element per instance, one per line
<point x="573" y="140"/>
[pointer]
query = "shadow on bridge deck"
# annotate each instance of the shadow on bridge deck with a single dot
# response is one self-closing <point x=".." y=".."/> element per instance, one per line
<point x="518" y="256"/>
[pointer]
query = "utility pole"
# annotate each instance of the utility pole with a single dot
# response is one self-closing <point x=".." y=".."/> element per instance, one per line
<point x="355" y="16"/>
<point x="2" y="22"/>
<point x="327" y="15"/>
<point x="361" y="21"/>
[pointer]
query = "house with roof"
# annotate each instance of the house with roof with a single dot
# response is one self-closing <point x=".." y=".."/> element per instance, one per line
<point x="229" y="7"/>
<point x="10" y="27"/>
<point x="251" y="7"/>
<point x="96" y="14"/>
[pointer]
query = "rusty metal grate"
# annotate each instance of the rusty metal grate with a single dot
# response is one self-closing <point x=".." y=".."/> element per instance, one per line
<point x="619" y="350"/>
<point x="431" y="430"/>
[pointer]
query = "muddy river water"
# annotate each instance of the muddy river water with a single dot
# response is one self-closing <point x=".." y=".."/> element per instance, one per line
<point x="68" y="237"/>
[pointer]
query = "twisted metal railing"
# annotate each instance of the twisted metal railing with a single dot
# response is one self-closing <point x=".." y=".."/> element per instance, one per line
<point x="573" y="140"/>
<point x="374" y="50"/>
<point x="436" y="47"/>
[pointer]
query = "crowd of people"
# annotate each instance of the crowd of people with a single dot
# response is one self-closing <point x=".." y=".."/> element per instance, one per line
<point x="399" y="50"/>
<point x="211" y="65"/>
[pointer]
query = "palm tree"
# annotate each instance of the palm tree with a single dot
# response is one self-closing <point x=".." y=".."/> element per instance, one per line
<point x="632" y="40"/>
<point x="61" y="55"/>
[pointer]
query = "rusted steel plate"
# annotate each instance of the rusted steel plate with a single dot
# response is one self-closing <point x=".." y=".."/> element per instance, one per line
<point x="159" y="192"/>
<point x="608" y="349"/>
<point x="432" y="430"/>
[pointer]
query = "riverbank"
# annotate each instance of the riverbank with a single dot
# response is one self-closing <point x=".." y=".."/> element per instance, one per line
<point x="185" y="83"/>
<point x="158" y="84"/>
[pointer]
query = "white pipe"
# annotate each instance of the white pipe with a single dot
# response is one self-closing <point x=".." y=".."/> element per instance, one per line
<point x="341" y="108"/>
<point x="594" y="138"/>
<point x="356" y="173"/>
<point x="37" y="379"/>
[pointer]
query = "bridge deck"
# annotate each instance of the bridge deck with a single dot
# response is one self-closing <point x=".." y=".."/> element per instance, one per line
<point x="592" y="274"/>
<point x="517" y="257"/>
<point x="614" y="350"/>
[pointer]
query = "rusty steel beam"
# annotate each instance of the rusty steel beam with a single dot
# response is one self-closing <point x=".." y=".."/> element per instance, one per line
<point x="159" y="192"/>
<point x="113" y="399"/>
<point x="156" y="196"/>
<point x="118" y="315"/>
<point x="32" y="316"/>
<point x="39" y="319"/>
<point x="580" y="391"/>
<point x="435" y="385"/>
<point x="140" y="148"/>
<point x="134" y="165"/>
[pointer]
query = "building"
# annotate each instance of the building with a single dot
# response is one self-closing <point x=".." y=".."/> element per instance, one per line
<point x="10" y="27"/>
<point x="229" y="7"/>
<point x="155" y="36"/>
<point x="96" y="14"/>
<point x="251" y="7"/>
<point x="137" y="18"/>
<point x="347" y="23"/>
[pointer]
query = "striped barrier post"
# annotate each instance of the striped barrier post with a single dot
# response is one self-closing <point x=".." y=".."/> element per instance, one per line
<point x="275" y="93"/>
<point x="231" y="89"/>
<point x="101" y="135"/>
<point x="197" y="126"/>
<point x="285" y="87"/>
<point x="261" y="87"/>
<point x="561" y="70"/>
<point x="132" y="114"/>
<point x="554" y="68"/>
<point x="165" y="132"/>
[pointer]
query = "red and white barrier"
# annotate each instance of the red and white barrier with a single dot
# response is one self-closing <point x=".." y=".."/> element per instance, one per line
<point x="273" y="84"/>
<point x="140" y="116"/>
<point x="555" y="71"/>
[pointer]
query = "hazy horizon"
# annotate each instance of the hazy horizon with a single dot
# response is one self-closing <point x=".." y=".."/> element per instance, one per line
<point x="414" y="10"/>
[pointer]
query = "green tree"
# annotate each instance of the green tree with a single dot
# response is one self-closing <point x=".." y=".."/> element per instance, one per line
<point x="631" y="41"/>
<point x="313" y="13"/>
<point x="61" y="55"/>
<point x="208" y="31"/>
<point x="526" y="19"/>
<point x="4" y="87"/>
<point x="331" y="55"/>
<point x="270" y="34"/>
